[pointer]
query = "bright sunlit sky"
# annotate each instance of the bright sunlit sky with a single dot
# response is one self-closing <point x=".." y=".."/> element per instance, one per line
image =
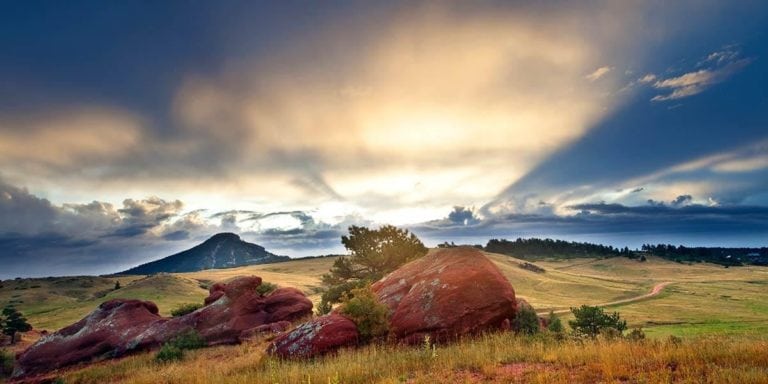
<point x="131" y="130"/>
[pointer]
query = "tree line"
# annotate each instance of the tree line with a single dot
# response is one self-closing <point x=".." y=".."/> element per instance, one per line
<point x="717" y="255"/>
<point x="534" y="249"/>
<point x="537" y="249"/>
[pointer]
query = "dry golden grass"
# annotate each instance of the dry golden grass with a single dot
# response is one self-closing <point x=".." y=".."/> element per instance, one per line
<point x="492" y="358"/>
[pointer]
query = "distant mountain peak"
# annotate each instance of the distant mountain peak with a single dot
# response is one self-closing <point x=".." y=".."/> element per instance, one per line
<point x="222" y="250"/>
<point x="224" y="236"/>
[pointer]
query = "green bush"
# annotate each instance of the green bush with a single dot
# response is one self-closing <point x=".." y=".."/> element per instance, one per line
<point x="335" y="294"/>
<point x="555" y="325"/>
<point x="526" y="321"/>
<point x="591" y="321"/>
<point x="174" y="349"/>
<point x="367" y="312"/>
<point x="188" y="340"/>
<point x="169" y="353"/>
<point x="185" y="309"/>
<point x="6" y="362"/>
<point x="265" y="288"/>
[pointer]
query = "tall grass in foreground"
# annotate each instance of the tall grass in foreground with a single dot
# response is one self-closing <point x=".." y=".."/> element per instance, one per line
<point x="495" y="358"/>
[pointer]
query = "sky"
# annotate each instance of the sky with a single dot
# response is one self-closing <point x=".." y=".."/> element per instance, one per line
<point x="132" y="130"/>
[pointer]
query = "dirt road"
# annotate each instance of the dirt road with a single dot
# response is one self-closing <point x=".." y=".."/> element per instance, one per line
<point x="657" y="289"/>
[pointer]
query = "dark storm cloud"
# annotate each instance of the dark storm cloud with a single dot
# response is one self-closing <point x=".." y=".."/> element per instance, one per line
<point x="650" y="223"/>
<point x="462" y="215"/>
<point x="140" y="216"/>
<point x="24" y="212"/>
<point x="682" y="200"/>
<point x="36" y="236"/>
<point x="458" y="217"/>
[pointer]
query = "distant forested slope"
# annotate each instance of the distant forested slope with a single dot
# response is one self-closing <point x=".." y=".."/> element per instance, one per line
<point x="536" y="249"/>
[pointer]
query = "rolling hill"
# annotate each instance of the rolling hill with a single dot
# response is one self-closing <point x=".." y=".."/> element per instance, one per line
<point x="223" y="250"/>
<point x="726" y="305"/>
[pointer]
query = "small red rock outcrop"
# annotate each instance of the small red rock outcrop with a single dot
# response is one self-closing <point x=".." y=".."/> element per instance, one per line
<point x="447" y="293"/>
<point x="117" y="327"/>
<point x="316" y="337"/>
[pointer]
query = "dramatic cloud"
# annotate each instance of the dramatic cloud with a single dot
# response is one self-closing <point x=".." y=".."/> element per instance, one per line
<point x="430" y="95"/>
<point x="648" y="78"/>
<point x="287" y="123"/>
<point x="598" y="73"/>
<point x="67" y="139"/>
<point x="726" y="63"/>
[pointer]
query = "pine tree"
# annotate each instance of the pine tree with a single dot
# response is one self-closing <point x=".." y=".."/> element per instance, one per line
<point x="373" y="254"/>
<point x="13" y="322"/>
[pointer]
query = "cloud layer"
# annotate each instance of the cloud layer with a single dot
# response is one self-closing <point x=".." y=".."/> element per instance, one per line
<point x="287" y="124"/>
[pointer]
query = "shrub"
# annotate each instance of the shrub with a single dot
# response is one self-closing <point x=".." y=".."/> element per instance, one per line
<point x="169" y="353"/>
<point x="526" y="321"/>
<point x="188" y="340"/>
<point x="555" y="325"/>
<point x="174" y="349"/>
<point x="6" y="362"/>
<point x="591" y="321"/>
<point x="185" y="309"/>
<point x="335" y="294"/>
<point x="364" y="309"/>
<point x="265" y="288"/>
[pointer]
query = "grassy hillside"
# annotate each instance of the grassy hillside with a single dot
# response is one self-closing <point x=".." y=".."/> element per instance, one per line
<point x="725" y="308"/>
<point x="701" y="298"/>
<point x="52" y="303"/>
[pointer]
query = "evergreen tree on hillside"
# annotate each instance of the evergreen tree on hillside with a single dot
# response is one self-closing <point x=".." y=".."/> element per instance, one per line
<point x="13" y="322"/>
<point x="373" y="254"/>
<point x="590" y="321"/>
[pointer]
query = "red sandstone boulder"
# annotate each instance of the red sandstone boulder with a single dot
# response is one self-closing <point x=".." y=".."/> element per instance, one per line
<point x="110" y="331"/>
<point x="118" y="327"/>
<point x="316" y="337"/>
<point x="446" y="294"/>
<point x="266" y="329"/>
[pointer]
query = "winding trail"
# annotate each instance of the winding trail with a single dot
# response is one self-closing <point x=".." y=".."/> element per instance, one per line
<point x="655" y="291"/>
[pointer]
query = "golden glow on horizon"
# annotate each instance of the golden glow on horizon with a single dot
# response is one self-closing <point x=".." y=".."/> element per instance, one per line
<point x="433" y="108"/>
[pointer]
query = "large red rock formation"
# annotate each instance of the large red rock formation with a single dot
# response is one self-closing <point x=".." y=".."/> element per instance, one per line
<point x="118" y="327"/>
<point x="446" y="294"/>
<point x="316" y="337"/>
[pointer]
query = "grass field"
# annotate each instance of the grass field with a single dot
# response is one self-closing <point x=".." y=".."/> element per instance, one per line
<point x="493" y="358"/>
<point x="701" y="298"/>
<point x="721" y="313"/>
